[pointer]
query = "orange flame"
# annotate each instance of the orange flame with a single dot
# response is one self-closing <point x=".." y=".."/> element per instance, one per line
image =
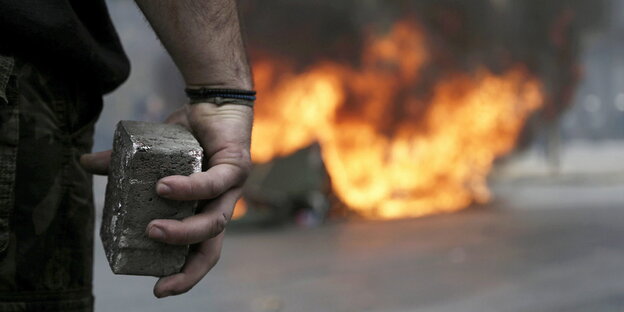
<point x="240" y="209"/>
<point x="388" y="152"/>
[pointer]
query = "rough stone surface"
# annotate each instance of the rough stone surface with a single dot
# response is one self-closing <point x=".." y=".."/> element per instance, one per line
<point x="143" y="153"/>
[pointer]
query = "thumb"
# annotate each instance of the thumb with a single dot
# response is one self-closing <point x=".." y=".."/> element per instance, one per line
<point x="96" y="163"/>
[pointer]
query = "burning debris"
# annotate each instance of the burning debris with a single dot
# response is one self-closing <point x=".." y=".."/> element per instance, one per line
<point x="410" y="112"/>
<point x="389" y="152"/>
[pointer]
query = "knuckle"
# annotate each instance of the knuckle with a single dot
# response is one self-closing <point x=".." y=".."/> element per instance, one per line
<point x="210" y="188"/>
<point x="246" y="164"/>
<point x="186" y="236"/>
<point x="218" y="225"/>
<point x="191" y="189"/>
<point x="237" y="156"/>
<point x="244" y="173"/>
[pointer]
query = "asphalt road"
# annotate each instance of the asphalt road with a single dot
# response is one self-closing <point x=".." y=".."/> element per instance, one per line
<point x="538" y="248"/>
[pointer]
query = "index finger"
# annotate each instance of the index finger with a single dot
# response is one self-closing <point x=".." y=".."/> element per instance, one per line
<point x="96" y="163"/>
<point x="208" y="223"/>
<point x="202" y="185"/>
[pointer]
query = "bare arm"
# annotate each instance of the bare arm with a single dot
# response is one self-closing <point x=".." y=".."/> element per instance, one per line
<point x="203" y="37"/>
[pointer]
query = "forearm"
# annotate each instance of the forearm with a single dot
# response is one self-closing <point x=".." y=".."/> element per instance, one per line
<point x="203" y="38"/>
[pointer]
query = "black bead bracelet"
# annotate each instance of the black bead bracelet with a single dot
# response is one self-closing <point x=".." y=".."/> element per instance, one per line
<point x="221" y="96"/>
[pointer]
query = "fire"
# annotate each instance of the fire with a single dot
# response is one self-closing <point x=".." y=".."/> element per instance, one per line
<point x="390" y="151"/>
<point x="240" y="209"/>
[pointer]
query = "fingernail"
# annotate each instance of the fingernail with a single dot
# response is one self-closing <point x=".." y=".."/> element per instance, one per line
<point x="163" y="189"/>
<point x="156" y="233"/>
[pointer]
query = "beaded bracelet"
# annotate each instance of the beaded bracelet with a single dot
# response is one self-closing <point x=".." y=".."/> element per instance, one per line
<point x="221" y="96"/>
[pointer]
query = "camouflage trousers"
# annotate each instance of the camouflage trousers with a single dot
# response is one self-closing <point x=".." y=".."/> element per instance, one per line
<point x="46" y="203"/>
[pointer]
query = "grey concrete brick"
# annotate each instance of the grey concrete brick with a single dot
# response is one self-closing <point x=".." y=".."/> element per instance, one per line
<point x="143" y="153"/>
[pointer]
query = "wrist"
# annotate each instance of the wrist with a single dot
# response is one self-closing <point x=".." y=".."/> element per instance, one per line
<point x="228" y="120"/>
<point x="242" y="84"/>
<point x="208" y="109"/>
<point x="221" y="96"/>
<point x="218" y="77"/>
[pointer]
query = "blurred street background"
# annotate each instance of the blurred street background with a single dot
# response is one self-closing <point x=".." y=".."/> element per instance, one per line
<point x="412" y="156"/>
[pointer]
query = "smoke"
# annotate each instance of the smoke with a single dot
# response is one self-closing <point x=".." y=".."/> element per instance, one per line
<point x="461" y="35"/>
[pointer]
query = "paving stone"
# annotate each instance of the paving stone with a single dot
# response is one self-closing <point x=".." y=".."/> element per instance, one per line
<point x="143" y="153"/>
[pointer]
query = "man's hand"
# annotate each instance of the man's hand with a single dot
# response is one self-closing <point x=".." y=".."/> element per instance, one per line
<point x="224" y="132"/>
<point x="203" y="38"/>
